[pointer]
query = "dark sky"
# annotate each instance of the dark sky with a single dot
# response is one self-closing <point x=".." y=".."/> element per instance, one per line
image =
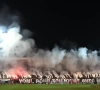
<point x="60" y="22"/>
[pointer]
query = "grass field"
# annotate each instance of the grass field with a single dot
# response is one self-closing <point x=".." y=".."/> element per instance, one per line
<point x="48" y="87"/>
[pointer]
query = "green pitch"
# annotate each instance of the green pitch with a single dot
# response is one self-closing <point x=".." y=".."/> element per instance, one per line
<point x="48" y="87"/>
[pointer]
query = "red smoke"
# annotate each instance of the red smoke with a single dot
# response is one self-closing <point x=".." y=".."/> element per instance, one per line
<point x="18" y="72"/>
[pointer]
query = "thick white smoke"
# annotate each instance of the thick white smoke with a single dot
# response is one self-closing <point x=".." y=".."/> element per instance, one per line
<point x="12" y="44"/>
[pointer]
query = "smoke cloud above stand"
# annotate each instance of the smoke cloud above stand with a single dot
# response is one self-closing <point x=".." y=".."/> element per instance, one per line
<point x="14" y="47"/>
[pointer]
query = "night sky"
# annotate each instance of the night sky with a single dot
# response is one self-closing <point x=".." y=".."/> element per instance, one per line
<point x="67" y="24"/>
